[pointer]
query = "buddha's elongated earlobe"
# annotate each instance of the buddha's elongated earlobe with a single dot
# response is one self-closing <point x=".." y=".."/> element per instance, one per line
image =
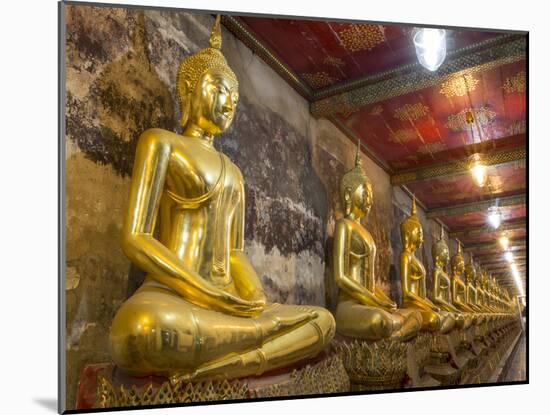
<point x="347" y="201"/>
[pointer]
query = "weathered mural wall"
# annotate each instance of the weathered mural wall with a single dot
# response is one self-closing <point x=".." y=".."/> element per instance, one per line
<point x="120" y="80"/>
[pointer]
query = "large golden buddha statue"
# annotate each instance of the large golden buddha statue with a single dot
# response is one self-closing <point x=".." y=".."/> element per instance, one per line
<point x="363" y="310"/>
<point x="201" y="311"/>
<point x="413" y="277"/>
<point x="442" y="296"/>
<point x="458" y="288"/>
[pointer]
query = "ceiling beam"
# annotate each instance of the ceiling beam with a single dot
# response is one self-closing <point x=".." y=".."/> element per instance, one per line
<point x="479" y="230"/>
<point x="476" y="206"/>
<point x="488" y="245"/>
<point x="349" y="96"/>
<point x="499" y="259"/>
<point x="504" y="266"/>
<point x="488" y="257"/>
<point x="456" y="166"/>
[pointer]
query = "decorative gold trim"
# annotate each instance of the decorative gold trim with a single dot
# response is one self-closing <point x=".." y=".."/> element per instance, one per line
<point x="484" y="229"/>
<point x="456" y="167"/>
<point x="476" y="206"/>
<point x="239" y="29"/>
<point x="467" y="61"/>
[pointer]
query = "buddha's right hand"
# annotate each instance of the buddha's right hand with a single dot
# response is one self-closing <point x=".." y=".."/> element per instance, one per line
<point x="280" y="323"/>
<point x="240" y="307"/>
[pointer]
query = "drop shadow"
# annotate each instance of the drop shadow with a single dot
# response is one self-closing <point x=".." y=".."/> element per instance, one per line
<point x="48" y="403"/>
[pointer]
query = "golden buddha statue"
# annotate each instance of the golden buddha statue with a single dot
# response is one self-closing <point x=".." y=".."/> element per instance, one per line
<point x="413" y="277"/>
<point x="471" y="291"/>
<point x="442" y="283"/>
<point x="363" y="310"/>
<point x="201" y="311"/>
<point x="458" y="288"/>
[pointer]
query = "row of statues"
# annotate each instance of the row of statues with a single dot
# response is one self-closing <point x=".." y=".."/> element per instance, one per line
<point x="201" y="311"/>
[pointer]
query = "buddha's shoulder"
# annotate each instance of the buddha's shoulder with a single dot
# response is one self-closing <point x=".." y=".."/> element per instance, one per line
<point x="158" y="136"/>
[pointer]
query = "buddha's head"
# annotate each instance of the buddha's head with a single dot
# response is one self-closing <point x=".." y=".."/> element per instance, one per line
<point x="412" y="236"/>
<point x="440" y="251"/>
<point x="457" y="261"/>
<point x="470" y="271"/>
<point x="356" y="190"/>
<point x="479" y="278"/>
<point x="207" y="88"/>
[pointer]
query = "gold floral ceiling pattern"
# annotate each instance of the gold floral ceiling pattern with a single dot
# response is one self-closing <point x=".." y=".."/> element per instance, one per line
<point x="319" y="79"/>
<point x="334" y="61"/>
<point x="515" y="84"/>
<point x="458" y="122"/>
<point x="411" y="112"/>
<point x="376" y="110"/>
<point x="403" y="135"/>
<point x="431" y="147"/>
<point x="459" y="86"/>
<point x="360" y="37"/>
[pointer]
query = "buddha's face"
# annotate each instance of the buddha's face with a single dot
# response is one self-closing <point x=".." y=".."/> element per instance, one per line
<point x="414" y="236"/>
<point x="469" y="273"/>
<point x="442" y="256"/>
<point x="361" y="199"/>
<point x="458" y="265"/>
<point x="214" y="102"/>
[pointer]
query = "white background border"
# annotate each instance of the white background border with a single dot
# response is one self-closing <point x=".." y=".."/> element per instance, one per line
<point x="28" y="204"/>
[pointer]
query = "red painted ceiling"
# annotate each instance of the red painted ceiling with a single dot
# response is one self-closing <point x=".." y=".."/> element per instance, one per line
<point x="324" y="53"/>
<point x="422" y="128"/>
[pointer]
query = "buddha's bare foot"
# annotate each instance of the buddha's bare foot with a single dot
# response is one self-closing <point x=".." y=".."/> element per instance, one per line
<point x="182" y="377"/>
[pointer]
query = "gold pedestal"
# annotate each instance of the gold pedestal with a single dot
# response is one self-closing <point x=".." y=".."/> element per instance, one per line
<point x="323" y="375"/>
<point x="373" y="365"/>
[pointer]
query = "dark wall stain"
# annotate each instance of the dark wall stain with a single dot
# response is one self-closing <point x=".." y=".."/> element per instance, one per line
<point x="128" y="97"/>
<point x="286" y="202"/>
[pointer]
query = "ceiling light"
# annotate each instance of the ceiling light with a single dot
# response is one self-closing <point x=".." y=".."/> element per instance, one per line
<point x="431" y="47"/>
<point x="504" y="242"/>
<point x="478" y="169"/>
<point x="509" y="256"/>
<point x="494" y="217"/>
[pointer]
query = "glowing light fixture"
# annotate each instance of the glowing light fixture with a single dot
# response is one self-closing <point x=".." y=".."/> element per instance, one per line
<point x="509" y="256"/>
<point x="478" y="169"/>
<point x="504" y="242"/>
<point x="431" y="47"/>
<point x="494" y="217"/>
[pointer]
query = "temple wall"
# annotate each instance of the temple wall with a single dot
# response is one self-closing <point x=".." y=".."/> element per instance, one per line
<point x="121" y="68"/>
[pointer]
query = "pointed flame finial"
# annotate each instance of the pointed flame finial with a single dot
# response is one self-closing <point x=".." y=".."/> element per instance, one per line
<point x="358" y="154"/>
<point x="413" y="208"/>
<point x="459" y="246"/>
<point x="442" y="233"/>
<point x="216" y="34"/>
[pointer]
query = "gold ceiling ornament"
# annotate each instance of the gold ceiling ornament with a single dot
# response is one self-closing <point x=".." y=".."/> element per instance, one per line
<point x="334" y="61"/>
<point x="403" y="135"/>
<point x="515" y="84"/>
<point x="358" y="37"/>
<point x="431" y="147"/>
<point x="462" y="121"/>
<point x="376" y="110"/>
<point x="459" y="86"/>
<point x="319" y="79"/>
<point x="518" y="127"/>
<point x="411" y="112"/>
